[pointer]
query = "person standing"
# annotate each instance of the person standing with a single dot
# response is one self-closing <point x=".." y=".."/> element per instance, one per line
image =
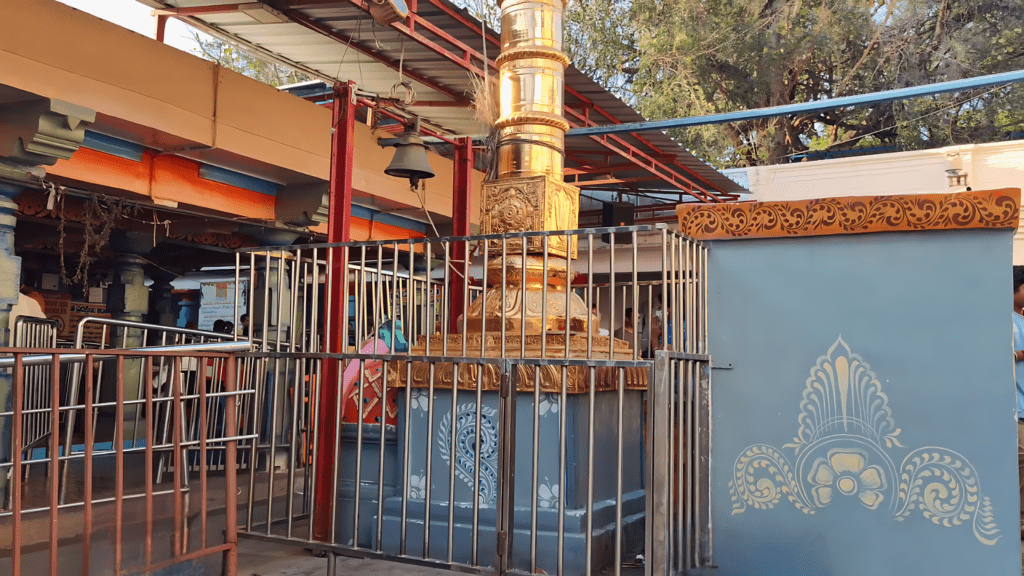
<point x="1018" y="369"/>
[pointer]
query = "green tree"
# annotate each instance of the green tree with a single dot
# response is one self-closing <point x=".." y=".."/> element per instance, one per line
<point x="245" y="62"/>
<point x="677" y="58"/>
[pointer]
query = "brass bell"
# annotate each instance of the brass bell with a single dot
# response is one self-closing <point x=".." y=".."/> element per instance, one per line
<point x="410" y="160"/>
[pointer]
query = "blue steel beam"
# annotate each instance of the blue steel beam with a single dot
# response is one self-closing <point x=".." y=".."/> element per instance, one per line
<point x="807" y="107"/>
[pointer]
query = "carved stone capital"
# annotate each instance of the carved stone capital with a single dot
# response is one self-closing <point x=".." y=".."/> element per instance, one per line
<point x="41" y="131"/>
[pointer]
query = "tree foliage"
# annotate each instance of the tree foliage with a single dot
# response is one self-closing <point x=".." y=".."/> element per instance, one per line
<point x="245" y="62"/>
<point x="677" y="58"/>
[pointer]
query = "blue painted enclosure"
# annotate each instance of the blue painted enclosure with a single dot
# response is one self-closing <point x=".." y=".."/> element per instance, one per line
<point x="866" y="425"/>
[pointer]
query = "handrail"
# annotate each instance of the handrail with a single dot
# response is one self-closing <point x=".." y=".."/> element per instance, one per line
<point x="79" y="333"/>
<point x="74" y="358"/>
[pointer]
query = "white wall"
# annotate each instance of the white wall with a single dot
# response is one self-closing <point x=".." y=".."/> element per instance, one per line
<point x="988" y="166"/>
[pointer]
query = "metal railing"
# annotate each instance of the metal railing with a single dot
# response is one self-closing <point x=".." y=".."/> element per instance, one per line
<point x="389" y="435"/>
<point x="115" y="520"/>
<point x="126" y="334"/>
<point x="31" y="332"/>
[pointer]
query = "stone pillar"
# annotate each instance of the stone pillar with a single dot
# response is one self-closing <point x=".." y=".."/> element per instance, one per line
<point x="127" y="299"/>
<point x="33" y="133"/>
<point x="10" y="281"/>
<point x="163" y="302"/>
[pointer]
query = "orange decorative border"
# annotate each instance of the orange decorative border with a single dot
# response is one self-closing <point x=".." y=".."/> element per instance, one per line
<point x="852" y="215"/>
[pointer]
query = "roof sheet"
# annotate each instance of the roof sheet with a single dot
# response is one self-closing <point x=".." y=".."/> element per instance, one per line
<point x="338" y="40"/>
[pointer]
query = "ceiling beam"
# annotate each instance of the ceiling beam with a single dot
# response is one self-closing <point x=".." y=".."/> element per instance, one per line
<point x="327" y="31"/>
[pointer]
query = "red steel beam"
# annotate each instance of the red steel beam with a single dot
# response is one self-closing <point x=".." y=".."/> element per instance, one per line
<point x="586" y="102"/>
<point x="461" y="213"/>
<point x="160" y="25"/>
<point x="393" y="116"/>
<point x="641" y="158"/>
<point x="339" y="222"/>
<point x="585" y="119"/>
<point x="311" y="24"/>
<point x="619" y="145"/>
<point x="591" y="169"/>
<point x="609" y="180"/>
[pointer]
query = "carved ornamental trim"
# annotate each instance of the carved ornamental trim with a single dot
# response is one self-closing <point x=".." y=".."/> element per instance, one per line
<point x="852" y="215"/>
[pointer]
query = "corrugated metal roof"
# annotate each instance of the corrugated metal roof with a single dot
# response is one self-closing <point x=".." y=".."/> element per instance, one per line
<point x="338" y="40"/>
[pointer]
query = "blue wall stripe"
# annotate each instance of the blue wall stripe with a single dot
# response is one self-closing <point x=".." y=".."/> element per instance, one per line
<point x="237" y="179"/>
<point x="113" y="146"/>
<point x="389" y="219"/>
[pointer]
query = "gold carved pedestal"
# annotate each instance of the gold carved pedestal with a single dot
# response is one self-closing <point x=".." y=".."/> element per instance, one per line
<point x="527" y="280"/>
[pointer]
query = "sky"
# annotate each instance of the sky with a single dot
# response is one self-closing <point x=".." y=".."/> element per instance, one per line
<point x="137" y="17"/>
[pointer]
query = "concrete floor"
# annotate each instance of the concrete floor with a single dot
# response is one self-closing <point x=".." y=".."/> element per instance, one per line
<point x="256" y="558"/>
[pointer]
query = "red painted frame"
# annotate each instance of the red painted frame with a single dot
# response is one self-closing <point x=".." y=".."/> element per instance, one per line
<point x="688" y="184"/>
<point x="338" y="228"/>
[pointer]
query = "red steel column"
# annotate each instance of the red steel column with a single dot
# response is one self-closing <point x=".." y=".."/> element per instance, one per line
<point x="339" y="219"/>
<point x="339" y="222"/>
<point x="461" y="195"/>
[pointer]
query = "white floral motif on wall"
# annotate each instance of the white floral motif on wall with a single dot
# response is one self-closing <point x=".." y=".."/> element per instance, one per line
<point x="841" y="450"/>
<point x="548" y="403"/>
<point x="418" y="486"/>
<point x="468" y="440"/>
<point x="547" y="495"/>
<point x="419" y="399"/>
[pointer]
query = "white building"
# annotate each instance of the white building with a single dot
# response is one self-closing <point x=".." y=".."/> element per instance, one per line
<point x="986" y="166"/>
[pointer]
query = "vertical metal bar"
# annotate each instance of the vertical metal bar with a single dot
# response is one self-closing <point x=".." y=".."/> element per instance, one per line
<point x="611" y="297"/>
<point x="663" y="323"/>
<point x="619" y="533"/>
<point x="150" y="422"/>
<point x="710" y="393"/>
<point x="590" y="296"/>
<point x="204" y="432"/>
<point x="562" y="448"/>
<point x="479" y="397"/>
<point x="384" y="396"/>
<point x="563" y="488"/>
<point x="455" y="388"/>
<point x="686" y="439"/>
<point x="258" y="377"/>
<point x="16" y="480"/>
<point x="55" y="456"/>
<point x="310" y="455"/>
<point x="368" y="329"/>
<point x="535" y="472"/>
<point x="411" y="296"/>
<point x="505" y="528"/>
<point x="119" y="470"/>
<point x="276" y="394"/>
<point x="238" y="293"/>
<point x="332" y="490"/>
<point x="230" y="470"/>
<point x="658" y="522"/>
<point x="452" y="459"/>
<point x="297" y="383"/>
<point x="87" y="463"/>
<point x="691" y="296"/>
<point x="430" y="400"/>
<point x="636" y="303"/>
<point x="592" y="389"/>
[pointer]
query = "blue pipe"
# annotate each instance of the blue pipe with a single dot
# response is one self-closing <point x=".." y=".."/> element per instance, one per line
<point x="807" y="107"/>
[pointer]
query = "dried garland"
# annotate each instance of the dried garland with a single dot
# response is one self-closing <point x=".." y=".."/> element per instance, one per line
<point x="98" y="222"/>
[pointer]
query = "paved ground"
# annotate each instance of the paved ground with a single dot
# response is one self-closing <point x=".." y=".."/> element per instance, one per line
<point x="263" y="559"/>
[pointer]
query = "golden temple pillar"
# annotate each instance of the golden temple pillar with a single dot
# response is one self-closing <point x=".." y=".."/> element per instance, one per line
<point x="528" y="195"/>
